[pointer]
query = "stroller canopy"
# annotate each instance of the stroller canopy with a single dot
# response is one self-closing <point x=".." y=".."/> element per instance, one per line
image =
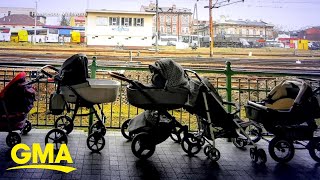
<point x="175" y="79"/>
<point x="74" y="70"/>
<point x="17" y="96"/>
<point x="295" y="89"/>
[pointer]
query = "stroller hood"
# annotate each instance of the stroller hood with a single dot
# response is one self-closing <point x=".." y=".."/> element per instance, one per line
<point x="74" y="70"/>
<point x="173" y="73"/>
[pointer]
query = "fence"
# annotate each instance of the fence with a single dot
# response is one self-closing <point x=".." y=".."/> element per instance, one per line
<point x="236" y="86"/>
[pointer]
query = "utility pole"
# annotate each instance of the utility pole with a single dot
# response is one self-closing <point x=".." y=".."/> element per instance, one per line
<point x="157" y="23"/>
<point x="195" y="18"/>
<point x="211" y="28"/>
<point x="35" y="23"/>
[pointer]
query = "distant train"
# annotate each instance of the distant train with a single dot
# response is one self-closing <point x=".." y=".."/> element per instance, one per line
<point x="204" y="41"/>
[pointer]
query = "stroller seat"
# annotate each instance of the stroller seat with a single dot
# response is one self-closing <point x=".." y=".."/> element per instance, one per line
<point x="279" y="110"/>
<point x="282" y="96"/>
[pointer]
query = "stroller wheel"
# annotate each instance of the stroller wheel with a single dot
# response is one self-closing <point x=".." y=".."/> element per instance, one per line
<point x="239" y="142"/>
<point x="64" y="123"/>
<point x="96" y="142"/>
<point x="281" y="150"/>
<point x="176" y="134"/>
<point x="27" y="128"/>
<point x="56" y="137"/>
<point x="98" y="127"/>
<point x="124" y="131"/>
<point x="142" y="146"/>
<point x="190" y="144"/>
<point x="253" y="154"/>
<point x="262" y="156"/>
<point x="214" y="154"/>
<point x="314" y="149"/>
<point x="207" y="149"/>
<point x="13" y="139"/>
<point x="254" y="132"/>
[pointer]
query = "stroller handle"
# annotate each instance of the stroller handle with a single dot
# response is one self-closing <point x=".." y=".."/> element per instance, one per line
<point x="120" y="76"/>
<point x="48" y="67"/>
<point x="193" y="72"/>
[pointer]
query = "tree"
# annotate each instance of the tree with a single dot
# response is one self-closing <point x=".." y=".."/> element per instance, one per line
<point x="64" y="21"/>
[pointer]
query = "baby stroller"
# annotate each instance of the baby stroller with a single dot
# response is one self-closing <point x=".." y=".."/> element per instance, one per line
<point x="75" y="87"/>
<point x="289" y="113"/>
<point x="214" y="121"/>
<point x="169" y="90"/>
<point x="16" y="100"/>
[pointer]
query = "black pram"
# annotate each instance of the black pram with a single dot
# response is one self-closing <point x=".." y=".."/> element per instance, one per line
<point x="169" y="90"/>
<point x="289" y="112"/>
<point x="75" y="87"/>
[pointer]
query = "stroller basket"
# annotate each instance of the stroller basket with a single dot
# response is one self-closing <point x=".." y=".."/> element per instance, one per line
<point x="160" y="98"/>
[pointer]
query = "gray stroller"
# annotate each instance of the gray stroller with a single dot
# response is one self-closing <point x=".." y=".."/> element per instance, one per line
<point x="169" y="90"/>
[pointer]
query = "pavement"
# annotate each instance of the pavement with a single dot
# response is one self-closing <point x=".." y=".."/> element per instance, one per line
<point x="116" y="162"/>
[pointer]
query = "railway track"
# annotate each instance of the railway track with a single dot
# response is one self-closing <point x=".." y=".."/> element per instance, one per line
<point x="282" y="66"/>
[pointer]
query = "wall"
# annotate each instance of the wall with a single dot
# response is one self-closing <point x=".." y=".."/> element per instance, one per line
<point x="118" y="35"/>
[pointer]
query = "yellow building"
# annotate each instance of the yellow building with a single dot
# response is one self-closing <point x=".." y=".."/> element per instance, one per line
<point x="119" y="28"/>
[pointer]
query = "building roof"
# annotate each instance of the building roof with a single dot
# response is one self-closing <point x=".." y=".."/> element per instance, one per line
<point x="118" y="12"/>
<point x="245" y="23"/>
<point x="173" y="9"/>
<point x="19" y="19"/>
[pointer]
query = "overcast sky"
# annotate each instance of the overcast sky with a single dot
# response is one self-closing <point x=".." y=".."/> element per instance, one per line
<point x="288" y="14"/>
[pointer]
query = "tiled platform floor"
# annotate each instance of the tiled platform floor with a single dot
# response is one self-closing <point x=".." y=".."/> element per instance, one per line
<point x="116" y="161"/>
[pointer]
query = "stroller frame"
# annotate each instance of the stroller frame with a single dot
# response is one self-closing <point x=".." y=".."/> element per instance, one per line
<point x="64" y="124"/>
<point x="146" y="138"/>
<point x="191" y="143"/>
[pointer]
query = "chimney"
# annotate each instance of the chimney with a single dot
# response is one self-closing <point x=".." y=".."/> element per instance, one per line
<point x="174" y="7"/>
<point x="9" y="13"/>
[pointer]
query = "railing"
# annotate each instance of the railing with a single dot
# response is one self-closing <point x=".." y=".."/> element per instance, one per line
<point x="236" y="86"/>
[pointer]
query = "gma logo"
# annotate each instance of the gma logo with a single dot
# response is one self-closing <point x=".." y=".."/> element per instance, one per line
<point x="40" y="157"/>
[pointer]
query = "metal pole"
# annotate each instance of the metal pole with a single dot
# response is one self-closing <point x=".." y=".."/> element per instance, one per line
<point x="93" y="76"/>
<point x="35" y="23"/>
<point x="211" y="29"/>
<point x="198" y="25"/>
<point x="229" y="73"/>
<point x="157" y="23"/>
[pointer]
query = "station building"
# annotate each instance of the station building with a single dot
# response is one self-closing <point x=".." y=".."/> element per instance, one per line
<point x="119" y="28"/>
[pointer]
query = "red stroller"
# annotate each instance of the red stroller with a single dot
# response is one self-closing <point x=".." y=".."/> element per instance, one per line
<point x="16" y="100"/>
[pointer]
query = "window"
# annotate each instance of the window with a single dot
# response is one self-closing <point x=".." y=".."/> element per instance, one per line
<point x="53" y="31"/>
<point x="174" y="29"/>
<point x="261" y="33"/>
<point x="168" y="30"/>
<point x="114" y="21"/>
<point x="240" y="32"/>
<point x="161" y="19"/>
<point x="101" y="21"/>
<point x="138" y="22"/>
<point x="162" y="29"/>
<point x="185" y="19"/>
<point x="168" y="19"/>
<point x="126" y="21"/>
<point x="254" y="32"/>
<point x="247" y="33"/>
<point x="174" y="19"/>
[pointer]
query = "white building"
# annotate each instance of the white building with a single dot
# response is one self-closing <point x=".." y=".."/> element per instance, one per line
<point x="119" y="28"/>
